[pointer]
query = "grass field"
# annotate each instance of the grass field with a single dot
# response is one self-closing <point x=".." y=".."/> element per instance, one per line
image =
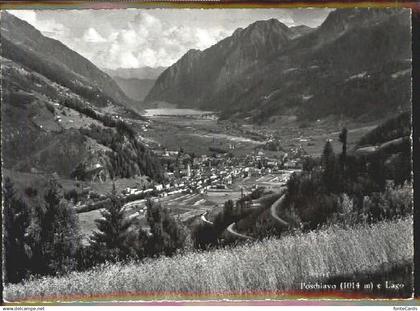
<point x="273" y="266"/>
<point x="181" y="205"/>
<point x="198" y="135"/>
<point x="87" y="223"/>
<point x="316" y="142"/>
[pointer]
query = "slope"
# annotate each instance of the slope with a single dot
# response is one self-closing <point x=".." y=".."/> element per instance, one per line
<point x="25" y="45"/>
<point x="54" y="121"/>
<point x="134" y="88"/>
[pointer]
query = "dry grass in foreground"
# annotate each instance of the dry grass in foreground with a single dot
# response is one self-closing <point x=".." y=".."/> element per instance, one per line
<point x="270" y="265"/>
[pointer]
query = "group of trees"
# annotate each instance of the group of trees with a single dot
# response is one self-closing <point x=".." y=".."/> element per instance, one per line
<point x="45" y="239"/>
<point x="273" y="145"/>
<point x="128" y="157"/>
<point x="16" y="221"/>
<point x="105" y="119"/>
<point x="120" y="238"/>
<point x="41" y="240"/>
<point x="349" y="182"/>
<point x="205" y="235"/>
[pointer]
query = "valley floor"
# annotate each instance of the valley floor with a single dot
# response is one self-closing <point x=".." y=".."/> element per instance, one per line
<point x="196" y="135"/>
<point x="272" y="268"/>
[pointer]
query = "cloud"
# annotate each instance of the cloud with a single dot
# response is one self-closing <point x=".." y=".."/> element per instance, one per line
<point x="91" y="35"/>
<point x="149" y="41"/>
<point x="128" y="60"/>
<point x="155" y="37"/>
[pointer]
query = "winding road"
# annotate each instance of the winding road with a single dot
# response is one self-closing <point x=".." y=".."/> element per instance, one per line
<point x="273" y="211"/>
<point x="273" y="214"/>
<point x="257" y="204"/>
<point x="236" y="234"/>
<point x="204" y="219"/>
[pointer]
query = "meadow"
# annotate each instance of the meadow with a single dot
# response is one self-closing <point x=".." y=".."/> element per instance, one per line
<point x="274" y="266"/>
<point x="196" y="135"/>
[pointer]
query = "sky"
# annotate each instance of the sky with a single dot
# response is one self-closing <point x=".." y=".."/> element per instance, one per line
<point x="134" y="38"/>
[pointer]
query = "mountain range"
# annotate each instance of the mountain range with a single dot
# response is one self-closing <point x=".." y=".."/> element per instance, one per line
<point x="356" y="64"/>
<point x="135" y="82"/>
<point x="148" y="73"/>
<point x="136" y="89"/>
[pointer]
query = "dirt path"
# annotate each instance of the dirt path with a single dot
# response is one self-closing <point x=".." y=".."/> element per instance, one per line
<point x="367" y="150"/>
<point x="204" y="219"/>
<point x="231" y="230"/>
<point x="255" y="204"/>
<point x="273" y="211"/>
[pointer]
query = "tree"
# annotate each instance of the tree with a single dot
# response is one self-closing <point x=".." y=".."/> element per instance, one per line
<point x="376" y="170"/>
<point x="329" y="165"/>
<point x="167" y="235"/>
<point x="225" y="218"/>
<point x="79" y="172"/>
<point x="309" y="164"/>
<point x="54" y="234"/>
<point x="66" y="241"/>
<point x="400" y="167"/>
<point x="228" y="210"/>
<point x="343" y="139"/>
<point x="204" y="236"/>
<point x="110" y="242"/>
<point x="16" y="222"/>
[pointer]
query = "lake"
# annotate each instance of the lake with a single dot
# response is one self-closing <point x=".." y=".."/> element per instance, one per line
<point x="228" y="137"/>
<point x="174" y="112"/>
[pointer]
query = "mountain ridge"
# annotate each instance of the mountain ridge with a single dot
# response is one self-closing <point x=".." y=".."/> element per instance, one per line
<point x="247" y="76"/>
<point x="135" y="82"/>
<point x="135" y="88"/>
<point x="146" y="72"/>
<point x="217" y="64"/>
<point x="79" y="73"/>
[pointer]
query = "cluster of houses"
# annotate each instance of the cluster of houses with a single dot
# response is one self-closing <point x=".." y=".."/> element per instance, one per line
<point x="261" y="164"/>
<point x="193" y="180"/>
<point x="188" y="173"/>
<point x="199" y="174"/>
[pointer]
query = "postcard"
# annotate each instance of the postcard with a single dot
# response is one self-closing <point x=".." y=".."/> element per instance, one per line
<point x="190" y="154"/>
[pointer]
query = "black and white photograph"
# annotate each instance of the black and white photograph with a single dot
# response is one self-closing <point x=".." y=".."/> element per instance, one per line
<point x="187" y="154"/>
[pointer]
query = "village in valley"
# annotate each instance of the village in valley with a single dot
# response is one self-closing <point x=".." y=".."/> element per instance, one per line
<point x="195" y="184"/>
